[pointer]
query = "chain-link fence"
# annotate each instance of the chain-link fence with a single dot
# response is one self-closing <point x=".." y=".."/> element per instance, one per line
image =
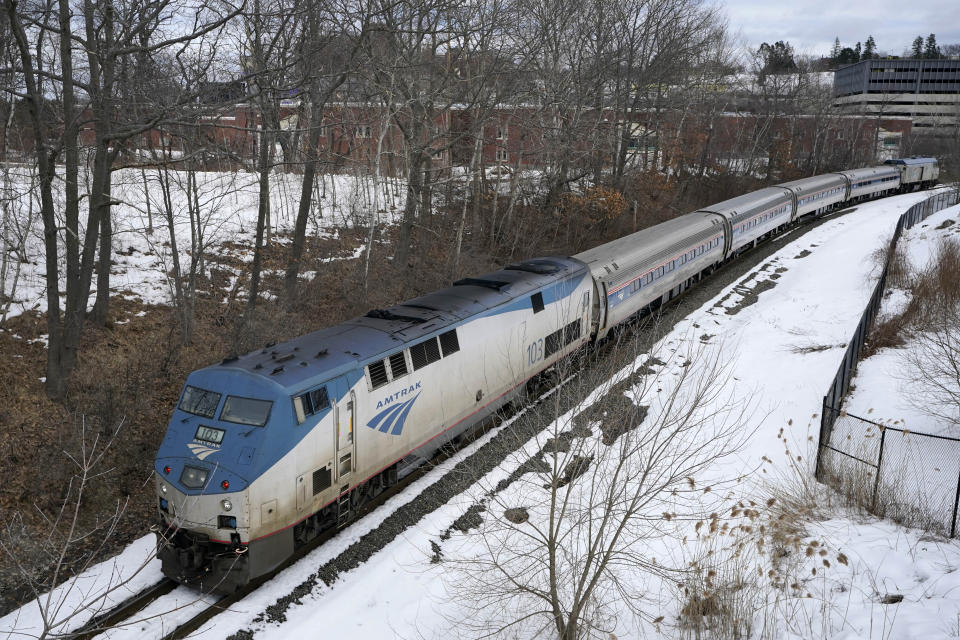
<point x="897" y="473"/>
<point x="900" y="473"/>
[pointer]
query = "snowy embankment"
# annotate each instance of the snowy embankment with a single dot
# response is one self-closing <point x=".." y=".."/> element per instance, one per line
<point x="781" y="331"/>
<point x="881" y="392"/>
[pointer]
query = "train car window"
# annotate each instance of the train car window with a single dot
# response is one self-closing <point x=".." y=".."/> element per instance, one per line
<point x="449" y="342"/>
<point x="199" y="401"/>
<point x="378" y="374"/>
<point x="424" y="353"/>
<point x="398" y="365"/>
<point x="537" y="301"/>
<point x="246" y="411"/>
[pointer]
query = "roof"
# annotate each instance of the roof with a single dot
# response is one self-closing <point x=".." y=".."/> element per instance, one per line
<point x="328" y="353"/>
<point x="910" y="161"/>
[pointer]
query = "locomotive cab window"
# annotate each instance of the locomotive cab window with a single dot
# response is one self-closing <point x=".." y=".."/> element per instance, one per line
<point x="199" y="401"/>
<point x="246" y="411"/>
<point x="309" y="403"/>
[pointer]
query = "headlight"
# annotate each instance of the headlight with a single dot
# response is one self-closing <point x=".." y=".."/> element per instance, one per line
<point x="193" y="477"/>
<point x="163" y="488"/>
<point x="226" y="504"/>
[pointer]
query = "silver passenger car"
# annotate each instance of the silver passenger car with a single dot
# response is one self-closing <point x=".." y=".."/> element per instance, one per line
<point x="871" y="181"/>
<point x="812" y="195"/>
<point x="753" y="215"/>
<point x="651" y="266"/>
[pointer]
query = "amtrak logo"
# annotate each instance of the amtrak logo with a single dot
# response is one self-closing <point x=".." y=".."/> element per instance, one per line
<point x="392" y="418"/>
<point x="201" y="450"/>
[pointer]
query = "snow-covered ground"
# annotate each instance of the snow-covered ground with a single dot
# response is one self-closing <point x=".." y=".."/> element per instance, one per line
<point x="880" y="394"/>
<point x="782" y="330"/>
<point x="141" y="239"/>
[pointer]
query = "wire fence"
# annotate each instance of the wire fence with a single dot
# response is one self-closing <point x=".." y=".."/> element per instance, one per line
<point x="895" y="471"/>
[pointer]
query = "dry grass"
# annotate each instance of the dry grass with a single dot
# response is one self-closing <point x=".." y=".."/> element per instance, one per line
<point x="932" y="289"/>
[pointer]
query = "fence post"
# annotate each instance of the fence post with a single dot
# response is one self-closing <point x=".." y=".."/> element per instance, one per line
<point x="953" y="520"/>
<point x="823" y="430"/>
<point x="876" y="483"/>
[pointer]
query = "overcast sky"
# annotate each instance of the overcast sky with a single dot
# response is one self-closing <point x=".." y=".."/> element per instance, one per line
<point x="811" y="25"/>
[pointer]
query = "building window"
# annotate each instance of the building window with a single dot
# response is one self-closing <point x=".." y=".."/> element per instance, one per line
<point x="502" y="155"/>
<point x="501" y="132"/>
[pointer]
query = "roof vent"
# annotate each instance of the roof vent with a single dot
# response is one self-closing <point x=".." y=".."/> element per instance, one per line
<point x="541" y="267"/>
<point x="384" y="314"/>
<point x="496" y="285"/>
<point x="277" y="370"/>
<point x="321" y="353"/>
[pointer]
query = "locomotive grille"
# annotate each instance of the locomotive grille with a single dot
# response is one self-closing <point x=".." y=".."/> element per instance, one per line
<point x="449" y="342"/>
<point x="321" y="480"/>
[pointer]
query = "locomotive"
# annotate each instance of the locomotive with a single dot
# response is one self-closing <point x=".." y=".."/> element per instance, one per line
<point x="266" y="450"/>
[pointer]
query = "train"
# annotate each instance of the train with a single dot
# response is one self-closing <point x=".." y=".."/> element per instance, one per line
<point x="265" y="451"/>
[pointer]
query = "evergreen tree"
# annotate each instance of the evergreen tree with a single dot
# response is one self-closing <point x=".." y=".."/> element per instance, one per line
<point x="835" y="51"/>
<point x="856" y="51"/>
<point x="931" y="50"/>
<point x="847" y="56"/>
<point x="869" y="49"/>
<point x="917" y="48"/>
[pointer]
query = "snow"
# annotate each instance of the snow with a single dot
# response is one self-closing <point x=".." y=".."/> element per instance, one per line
<point x="143" y="255"/>
<point x="783" y="342"/>
<point x="94" y="591"/>
<point x="880" y="393"/>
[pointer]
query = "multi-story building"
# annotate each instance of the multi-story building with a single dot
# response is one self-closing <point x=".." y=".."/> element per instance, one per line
<point x="926" y="90"/>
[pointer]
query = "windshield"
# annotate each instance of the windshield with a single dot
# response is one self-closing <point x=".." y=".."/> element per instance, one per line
<point x="199" y="401"/>
<point x="246" y="411"/>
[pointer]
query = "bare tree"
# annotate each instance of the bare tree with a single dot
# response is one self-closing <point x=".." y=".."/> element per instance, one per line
<point x="54" y="88"/>
<point x="329" y="44"/>
<point x="561" y="538"/>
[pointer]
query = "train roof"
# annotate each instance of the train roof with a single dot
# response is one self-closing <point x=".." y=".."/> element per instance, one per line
<point x="856" y="174"/>
<point x="619" y="259"/>
<point x="804" y="185"/>
<point x="911" y="161"/>
<point x="767" y="196"/>
<point x="327" y="353"/>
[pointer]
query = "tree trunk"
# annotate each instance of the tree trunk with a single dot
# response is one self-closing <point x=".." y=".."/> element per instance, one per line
<point x="414" y="188"/>
<point x="303" y="209"/>
<point x="263" y="206"/>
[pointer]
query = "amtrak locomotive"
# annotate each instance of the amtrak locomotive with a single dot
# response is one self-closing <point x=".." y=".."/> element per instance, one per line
<point x="266" y="450"/>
